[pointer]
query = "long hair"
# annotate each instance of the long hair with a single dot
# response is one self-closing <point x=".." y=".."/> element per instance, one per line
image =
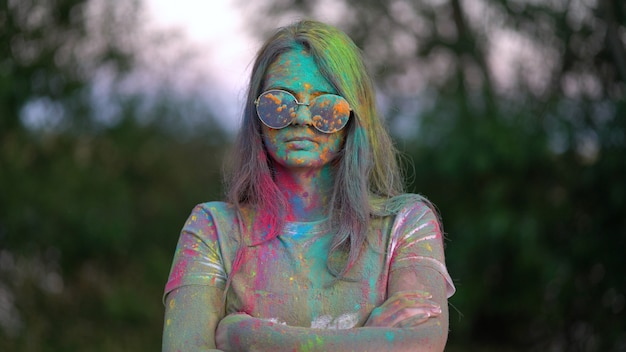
<point x="366" y="171"/>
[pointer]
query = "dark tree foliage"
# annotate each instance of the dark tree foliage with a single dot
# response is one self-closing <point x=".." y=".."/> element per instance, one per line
<point x="518" y="120"/>
<point x="90" y="207"/>
<point x="512" y="113"/>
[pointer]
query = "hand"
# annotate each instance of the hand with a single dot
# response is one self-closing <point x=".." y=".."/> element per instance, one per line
<point x="222" y="339"/>
<point x="404" y="309"/>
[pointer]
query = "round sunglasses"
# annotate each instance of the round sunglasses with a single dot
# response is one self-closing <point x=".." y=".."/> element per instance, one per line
<point x="277" y="109"/>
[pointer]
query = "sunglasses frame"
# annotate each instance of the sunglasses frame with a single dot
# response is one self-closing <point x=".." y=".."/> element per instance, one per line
<point x="256" y="104"/>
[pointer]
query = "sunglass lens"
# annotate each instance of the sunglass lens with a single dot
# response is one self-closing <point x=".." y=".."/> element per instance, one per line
<point x="276" y="109"/>
<point x="330" y="113"/>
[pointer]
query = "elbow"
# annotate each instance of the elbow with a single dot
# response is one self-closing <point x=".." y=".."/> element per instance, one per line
<point x="432" y="336"/>
<point x="441" y="342"/>
<point x="439" y="334"/>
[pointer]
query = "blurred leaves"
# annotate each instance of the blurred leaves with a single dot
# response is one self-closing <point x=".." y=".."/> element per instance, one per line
<point x="512" y="112"/>
<point x="97" y="174"/>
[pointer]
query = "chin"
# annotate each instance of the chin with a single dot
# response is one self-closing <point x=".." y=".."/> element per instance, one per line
<point x="303" y="163"/>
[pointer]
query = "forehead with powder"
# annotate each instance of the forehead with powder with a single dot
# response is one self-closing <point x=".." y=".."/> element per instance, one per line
<point x="297" y="71"/>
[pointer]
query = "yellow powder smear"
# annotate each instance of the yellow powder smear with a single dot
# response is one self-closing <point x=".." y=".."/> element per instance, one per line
<point x="274" y="98"/>
<point x="341" y="109"/>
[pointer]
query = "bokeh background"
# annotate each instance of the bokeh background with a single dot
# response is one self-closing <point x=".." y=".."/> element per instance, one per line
<point x="511" y="116"/>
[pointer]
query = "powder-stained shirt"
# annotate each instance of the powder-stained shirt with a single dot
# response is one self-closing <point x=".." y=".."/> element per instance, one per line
<point x="285" y="279"/>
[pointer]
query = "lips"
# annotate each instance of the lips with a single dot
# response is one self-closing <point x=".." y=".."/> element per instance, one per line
<point x="300" y="139"/>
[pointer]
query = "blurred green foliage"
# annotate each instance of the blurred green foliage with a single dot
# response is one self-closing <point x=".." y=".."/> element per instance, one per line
<point x="535" y="238"/>
<point x="89" y="209"/>
<point x="530" y="178"/>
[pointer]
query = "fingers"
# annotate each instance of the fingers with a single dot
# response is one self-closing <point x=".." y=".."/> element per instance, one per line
<point x="402" y="300"/>
<point x="422" y="312"/>
<point x="404" y="309"/>
<point x="404" y="317"/>
<point x="415" y="316"/>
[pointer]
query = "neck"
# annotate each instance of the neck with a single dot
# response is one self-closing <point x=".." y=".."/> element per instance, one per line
<point x="308" y="192"/>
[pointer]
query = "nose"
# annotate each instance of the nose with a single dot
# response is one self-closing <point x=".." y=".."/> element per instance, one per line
<point x="303" y="115"/>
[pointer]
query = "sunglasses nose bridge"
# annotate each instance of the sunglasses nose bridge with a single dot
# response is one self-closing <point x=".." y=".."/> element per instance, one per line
<point x="303" y="114"/>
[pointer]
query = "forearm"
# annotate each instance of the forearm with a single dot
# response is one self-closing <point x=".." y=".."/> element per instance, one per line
<point x="191" y="319"/>
<point x="251" y="334"/>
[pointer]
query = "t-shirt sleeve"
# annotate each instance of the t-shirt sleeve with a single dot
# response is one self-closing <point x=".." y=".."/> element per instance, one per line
<point x="417" y="241"/>
<point x="197" y="260"/>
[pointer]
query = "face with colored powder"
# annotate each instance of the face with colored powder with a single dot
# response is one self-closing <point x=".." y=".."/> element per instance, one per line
<point x="300" y="145"/>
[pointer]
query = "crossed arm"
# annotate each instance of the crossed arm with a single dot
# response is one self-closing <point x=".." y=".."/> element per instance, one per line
<point x="413" y="318"/>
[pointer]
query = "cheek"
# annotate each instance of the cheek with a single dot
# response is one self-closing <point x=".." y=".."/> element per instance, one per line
<point x="270" y="138"/>
<point x="273" y="140"/>
<point x="333" y="146"/>
<point x="337" y="141"/>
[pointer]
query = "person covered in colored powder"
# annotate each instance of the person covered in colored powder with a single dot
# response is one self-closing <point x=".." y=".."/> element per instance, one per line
<point x="317" y="247"/>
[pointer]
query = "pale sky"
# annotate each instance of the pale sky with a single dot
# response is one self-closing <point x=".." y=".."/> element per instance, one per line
<point x="217" y="30"/>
